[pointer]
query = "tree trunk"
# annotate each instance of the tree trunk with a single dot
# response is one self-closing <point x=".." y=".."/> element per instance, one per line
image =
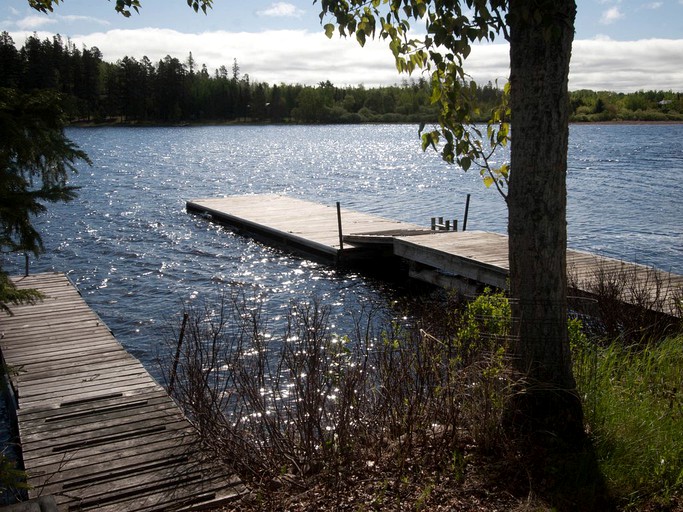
<point x="541" y="34"/>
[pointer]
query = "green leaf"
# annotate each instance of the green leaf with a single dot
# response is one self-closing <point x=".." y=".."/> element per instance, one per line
<point x="329" y="30"/>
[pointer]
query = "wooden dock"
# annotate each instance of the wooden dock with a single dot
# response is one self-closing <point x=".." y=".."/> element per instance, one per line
<point x="464" y="260"/>
<point x="302" y="226"/>
<point x="455" y="258"/>
<point x="97" y="432"/>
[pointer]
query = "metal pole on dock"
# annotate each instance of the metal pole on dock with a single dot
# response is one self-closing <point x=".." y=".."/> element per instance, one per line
<point x="467" y="211"/>
<point x="339" y="224"/>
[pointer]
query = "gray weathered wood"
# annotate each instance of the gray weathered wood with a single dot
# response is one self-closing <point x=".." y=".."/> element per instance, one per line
<point x="443" y="258"/>
<point x="96" y="431"/>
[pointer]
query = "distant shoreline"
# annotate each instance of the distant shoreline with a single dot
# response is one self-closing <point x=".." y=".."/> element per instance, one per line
<point x="187" y="124"/>
<point x="629" y="121"/>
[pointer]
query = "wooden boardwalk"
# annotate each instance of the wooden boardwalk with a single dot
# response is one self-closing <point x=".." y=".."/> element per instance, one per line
<point x="482" y="257"/>
<point x="465" y="259"/>
<point x="96" y="431"/>
<point x="301" y="225"/>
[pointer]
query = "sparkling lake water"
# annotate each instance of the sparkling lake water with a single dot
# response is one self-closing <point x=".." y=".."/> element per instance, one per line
<point x="137" y="256"/>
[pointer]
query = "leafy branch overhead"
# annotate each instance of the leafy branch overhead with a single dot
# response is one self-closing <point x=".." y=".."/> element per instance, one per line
<point x="122" y="6"/>
<point x="450" y="30"/>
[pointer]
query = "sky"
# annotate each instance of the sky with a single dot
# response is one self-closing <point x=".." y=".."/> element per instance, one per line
<point x="619" y="45"/>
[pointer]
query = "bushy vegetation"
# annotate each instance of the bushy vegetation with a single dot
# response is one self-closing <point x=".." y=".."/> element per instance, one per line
<point x="308" y="405"/>
<point x="415" y="405"/>
<point x="178" y="91"/>
<point x="592" y="106"/>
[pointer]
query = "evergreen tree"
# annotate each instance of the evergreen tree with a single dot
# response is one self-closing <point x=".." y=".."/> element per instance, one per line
<point x="35" y="161"/>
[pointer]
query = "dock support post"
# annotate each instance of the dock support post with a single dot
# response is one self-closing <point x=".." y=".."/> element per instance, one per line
<point x="467" y="211"/>
<point x="177" y="355"/>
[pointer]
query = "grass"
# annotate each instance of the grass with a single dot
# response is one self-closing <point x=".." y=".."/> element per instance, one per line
<point x="634" y="409"/>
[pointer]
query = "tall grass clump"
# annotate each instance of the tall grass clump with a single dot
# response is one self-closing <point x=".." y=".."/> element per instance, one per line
<point x="628" y="363"/>
<point x="634" y="409"/>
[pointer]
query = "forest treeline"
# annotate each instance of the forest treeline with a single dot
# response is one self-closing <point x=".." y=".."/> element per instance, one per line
<point x="175" y="91"/>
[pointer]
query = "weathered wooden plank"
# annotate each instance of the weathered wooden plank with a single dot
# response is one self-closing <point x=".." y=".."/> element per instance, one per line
<point x="181" y="492"/>
<point x="81" y="378"/>
<point x="89" y="394"/>
<point x="99" y="435"/>
<point x="131" y="410"/>
<point x="58" y="345"/>
<point x="42" y="328"/>
<point x="96" y="453"/>
<point x="162" y="453"/>
<point x="74" y="390"/>
<point x="56" y="309"/>
<point x="83" y="371"/>
<point x="96" y="429"/>
<point x="56" y="411"/>
<point x="293" y="222"/>
<point x="99" y="451"/>
<point x="23" y="360"/>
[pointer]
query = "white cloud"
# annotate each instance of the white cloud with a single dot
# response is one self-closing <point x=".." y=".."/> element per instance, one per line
<point x="627" y="66"/>
<point x="611" y="15"/>
<point x="653" y="5"/>
<point x="281" y="9"/>
<point x="34" y="22"/>
<point x="299" y="56"/>
<point x="83" y="19"/>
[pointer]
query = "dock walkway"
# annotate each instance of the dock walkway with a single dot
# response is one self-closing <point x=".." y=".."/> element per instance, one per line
<point x="300" y="225"/>
<point x="97" y="432"/>
<point x="482" y="257"/>
<point x="464" y="260"/>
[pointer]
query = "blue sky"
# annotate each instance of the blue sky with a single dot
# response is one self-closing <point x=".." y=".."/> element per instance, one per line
<point x="621" y="45"/>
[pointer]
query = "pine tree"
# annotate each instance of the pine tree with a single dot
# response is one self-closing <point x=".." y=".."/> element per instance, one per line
<point x="36" y="159"/>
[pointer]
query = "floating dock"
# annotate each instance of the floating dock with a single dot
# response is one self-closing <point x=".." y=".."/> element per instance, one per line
<point x="97" y="432"/>
<point x="303" y="227"/>
<point x="465" y="260"/>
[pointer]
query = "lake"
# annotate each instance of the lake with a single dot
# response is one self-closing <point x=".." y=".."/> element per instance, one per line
<point x="137" y="256"/>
